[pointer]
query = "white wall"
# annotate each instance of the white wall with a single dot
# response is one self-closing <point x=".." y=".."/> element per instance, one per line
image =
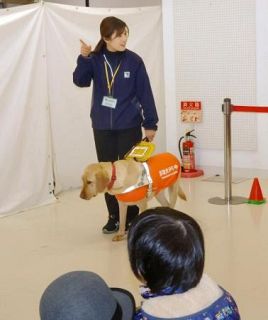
<point x="220" y="51"/>
<point x="262" y="80"/>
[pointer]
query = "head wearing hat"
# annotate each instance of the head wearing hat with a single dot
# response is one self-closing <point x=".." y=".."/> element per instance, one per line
<point x="83" y="295"/>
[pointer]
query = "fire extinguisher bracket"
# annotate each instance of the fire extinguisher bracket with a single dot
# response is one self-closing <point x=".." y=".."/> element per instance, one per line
<point x="193" y="174"/>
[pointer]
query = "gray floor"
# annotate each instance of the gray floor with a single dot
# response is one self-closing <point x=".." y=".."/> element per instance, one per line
<point x="41" y="244"/>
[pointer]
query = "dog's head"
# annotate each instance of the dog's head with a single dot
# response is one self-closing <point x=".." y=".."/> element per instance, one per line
<point x="95" y="180"/>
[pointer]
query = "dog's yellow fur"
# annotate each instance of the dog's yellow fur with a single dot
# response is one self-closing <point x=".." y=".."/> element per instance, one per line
<point x="97" y="176"/>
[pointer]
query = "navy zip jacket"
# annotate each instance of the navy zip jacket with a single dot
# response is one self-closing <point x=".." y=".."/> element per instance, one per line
<point x="135" y="103"/>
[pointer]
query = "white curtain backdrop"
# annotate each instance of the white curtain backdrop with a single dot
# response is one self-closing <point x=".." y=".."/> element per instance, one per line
<point x="45" y="128"/>
<point x="25" y="157"/>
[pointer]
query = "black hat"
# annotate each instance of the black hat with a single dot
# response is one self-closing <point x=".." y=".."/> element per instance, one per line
<point x="83" y="295"/>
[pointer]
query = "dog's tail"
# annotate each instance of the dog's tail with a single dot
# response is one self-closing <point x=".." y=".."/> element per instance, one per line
<point x="181" y="193"/>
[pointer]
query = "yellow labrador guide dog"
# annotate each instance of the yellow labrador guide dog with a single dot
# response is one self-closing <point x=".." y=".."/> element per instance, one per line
<point x="134" y="183"/>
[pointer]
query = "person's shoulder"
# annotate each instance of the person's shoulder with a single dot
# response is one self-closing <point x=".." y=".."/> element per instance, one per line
<point x="133" y="55"/>
<point x="192" y="301"/>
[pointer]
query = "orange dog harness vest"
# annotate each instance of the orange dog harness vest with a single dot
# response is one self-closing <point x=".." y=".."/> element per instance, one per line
<point x="162" y="170"/>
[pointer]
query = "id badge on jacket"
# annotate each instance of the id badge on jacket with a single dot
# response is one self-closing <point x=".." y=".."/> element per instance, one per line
<point x="109" y="102"/>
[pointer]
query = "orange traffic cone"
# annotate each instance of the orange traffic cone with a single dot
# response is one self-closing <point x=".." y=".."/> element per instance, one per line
<point x="256" y="196"/>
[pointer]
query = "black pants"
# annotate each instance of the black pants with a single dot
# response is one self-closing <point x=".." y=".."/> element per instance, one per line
<point x="112" y="145"/>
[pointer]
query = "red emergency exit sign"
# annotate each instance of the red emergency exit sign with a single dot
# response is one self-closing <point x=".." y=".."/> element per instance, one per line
<point x="190" y="105"/>
<point x="191" y="111"/>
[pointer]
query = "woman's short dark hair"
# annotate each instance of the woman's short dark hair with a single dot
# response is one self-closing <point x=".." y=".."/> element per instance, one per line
<point x="108" y="27"/>
<point x="166" y="249"/>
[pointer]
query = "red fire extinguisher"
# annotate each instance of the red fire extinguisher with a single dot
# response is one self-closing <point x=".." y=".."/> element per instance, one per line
<point x="186" y="149"/>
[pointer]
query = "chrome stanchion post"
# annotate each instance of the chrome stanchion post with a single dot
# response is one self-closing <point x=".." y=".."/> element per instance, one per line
<point x="228" y="199"/>
<point x="227" y="110"/>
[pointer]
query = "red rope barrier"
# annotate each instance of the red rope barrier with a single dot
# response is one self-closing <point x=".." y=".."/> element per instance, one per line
<point x="249" y="109"/>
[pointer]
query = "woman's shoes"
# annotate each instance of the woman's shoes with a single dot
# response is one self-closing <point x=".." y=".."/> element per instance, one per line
<point x="111" y="226"/>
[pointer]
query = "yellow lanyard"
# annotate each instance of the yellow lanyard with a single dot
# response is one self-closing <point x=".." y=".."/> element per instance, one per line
<point x="110" y="84"/>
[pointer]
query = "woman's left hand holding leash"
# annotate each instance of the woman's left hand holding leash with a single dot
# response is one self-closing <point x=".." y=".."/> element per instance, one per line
<point x="150" y="134"/>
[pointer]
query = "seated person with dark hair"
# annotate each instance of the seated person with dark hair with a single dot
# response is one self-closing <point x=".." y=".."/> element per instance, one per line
<point x="166" y="253"/>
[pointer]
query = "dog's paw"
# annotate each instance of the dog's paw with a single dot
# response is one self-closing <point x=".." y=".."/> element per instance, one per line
<point x="118" y="237"/>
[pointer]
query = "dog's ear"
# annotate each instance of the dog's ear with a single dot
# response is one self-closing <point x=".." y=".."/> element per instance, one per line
<point x="102" y="180"/>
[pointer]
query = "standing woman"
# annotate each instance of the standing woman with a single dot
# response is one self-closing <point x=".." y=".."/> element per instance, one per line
<point x="122" y="101"/>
